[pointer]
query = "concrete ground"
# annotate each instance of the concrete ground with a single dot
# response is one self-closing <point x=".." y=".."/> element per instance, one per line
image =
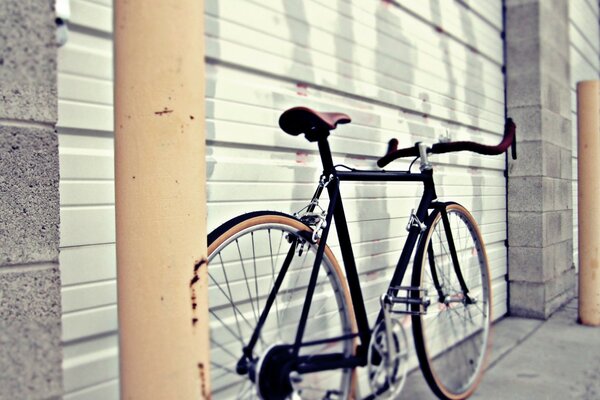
<point x="531" y="359"/>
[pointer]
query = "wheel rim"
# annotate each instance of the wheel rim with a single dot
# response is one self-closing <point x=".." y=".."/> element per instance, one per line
<point x="242" y="270"/>
<point x="456" y="334"/>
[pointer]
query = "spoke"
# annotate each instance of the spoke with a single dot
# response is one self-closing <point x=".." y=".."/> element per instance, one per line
<point x="292" y="288"/>
<point x="227" y="327"/>
<point x="226" y="350"/>
<point x="273" y="281"/>
<point x="219" y="366"/>
<point x="255" y="273"/>
<point x="457" y="336"/>
<point x="244" y="390"/>
<point x="234" y="307"/>
<point x="229" y="290"/>
<point x="247" y="283"/>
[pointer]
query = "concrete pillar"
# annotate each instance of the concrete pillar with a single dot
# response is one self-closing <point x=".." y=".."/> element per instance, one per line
<point x="30" y="312"/>
<point x="540" y="227"/>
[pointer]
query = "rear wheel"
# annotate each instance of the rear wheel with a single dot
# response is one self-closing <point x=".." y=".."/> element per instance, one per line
<point x="452" y="336"/>
<point x="245" y="257"/>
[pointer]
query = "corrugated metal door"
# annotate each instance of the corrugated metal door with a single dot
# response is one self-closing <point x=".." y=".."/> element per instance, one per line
<point x="411" y="70"/>
<point x="87" y="256"/>
<point x="584" y="55"/>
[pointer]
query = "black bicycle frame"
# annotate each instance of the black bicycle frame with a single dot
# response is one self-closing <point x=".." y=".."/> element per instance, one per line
<point x="333" y="177"/>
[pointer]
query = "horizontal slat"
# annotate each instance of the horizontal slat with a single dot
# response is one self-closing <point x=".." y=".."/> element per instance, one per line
<point x="85" y="116"/>
<point x="87" y="193"/>
<point x="84" y="324"/>
<point x="103" y="391"/>
<point x="87" y="296"/>
<point x="87" y="225"/>
<point x="85" y="89"/>
<point x="353" y="45"/>
<point x="490" y="11"/>
<point x="87" y="264"/>
<point x="92" y="14"/>
<point x="91" y="368"/>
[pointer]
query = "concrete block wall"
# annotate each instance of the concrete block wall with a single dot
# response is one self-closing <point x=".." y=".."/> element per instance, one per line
<point x="540" y="227"/>
<point x="30" y="302"/>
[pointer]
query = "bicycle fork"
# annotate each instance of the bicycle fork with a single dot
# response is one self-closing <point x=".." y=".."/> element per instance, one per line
<point x="443" y="297"/>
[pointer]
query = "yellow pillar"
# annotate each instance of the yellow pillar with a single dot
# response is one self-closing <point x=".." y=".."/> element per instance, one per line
<point x="588" y="127"/>
<point x="160" y="199"/>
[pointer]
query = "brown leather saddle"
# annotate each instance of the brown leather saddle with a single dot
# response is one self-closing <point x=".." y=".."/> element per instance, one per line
<point x="314" y="124"/>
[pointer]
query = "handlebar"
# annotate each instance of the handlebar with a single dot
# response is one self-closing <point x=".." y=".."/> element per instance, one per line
<point x="510" y="132"/>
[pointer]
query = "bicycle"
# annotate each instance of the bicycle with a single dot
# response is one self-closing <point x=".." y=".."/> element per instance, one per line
<point x="287" y="322"/>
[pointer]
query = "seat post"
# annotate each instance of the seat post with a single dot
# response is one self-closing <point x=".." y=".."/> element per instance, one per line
<point x="326" y="157"/>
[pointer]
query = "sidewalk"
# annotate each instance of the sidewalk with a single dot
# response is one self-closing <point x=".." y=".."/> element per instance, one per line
<point x="554" y="359"/>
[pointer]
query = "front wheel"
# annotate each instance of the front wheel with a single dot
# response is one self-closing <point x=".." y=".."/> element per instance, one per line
<point x="245" y="258"/>
<point x="452" y="337"/>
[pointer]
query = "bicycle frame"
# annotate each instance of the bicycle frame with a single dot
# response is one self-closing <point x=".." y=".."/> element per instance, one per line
<point x="338" y="215"/>
<point x="335" y="213"/>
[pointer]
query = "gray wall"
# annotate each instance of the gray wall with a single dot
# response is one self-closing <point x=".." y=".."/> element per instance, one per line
<point x="540" y="209"/>
<point x="30" y="327"/>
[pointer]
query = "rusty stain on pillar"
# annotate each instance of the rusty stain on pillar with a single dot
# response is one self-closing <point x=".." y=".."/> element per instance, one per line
<point x="160" y="199"/>
<point x="588" y="130"/>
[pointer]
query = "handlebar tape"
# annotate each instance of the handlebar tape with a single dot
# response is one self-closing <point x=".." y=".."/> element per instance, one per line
<point x="510" y="131"/>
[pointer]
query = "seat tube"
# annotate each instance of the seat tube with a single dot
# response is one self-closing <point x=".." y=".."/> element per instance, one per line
<point x="326" y="157"/>
<point x="346" y="247"/>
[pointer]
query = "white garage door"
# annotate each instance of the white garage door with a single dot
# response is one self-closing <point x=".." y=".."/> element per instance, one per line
<point x="584" y="54"/>
<point x="411" y="70"/>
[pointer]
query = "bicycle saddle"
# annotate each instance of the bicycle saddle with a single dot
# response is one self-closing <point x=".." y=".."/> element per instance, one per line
<point x="312" y="123"/>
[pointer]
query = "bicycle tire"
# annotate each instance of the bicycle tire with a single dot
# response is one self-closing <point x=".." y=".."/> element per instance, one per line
<point x="242" y="268"/>
<point x="452" y="337"/>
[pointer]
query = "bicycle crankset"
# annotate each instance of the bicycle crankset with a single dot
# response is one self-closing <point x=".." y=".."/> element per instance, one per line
<point x="273" y="373"/>
<point x="387" y="359"/>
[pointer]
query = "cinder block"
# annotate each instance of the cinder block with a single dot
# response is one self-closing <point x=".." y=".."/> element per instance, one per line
<point x="558" y="226"/>
<point x="522" y="20"/>
<point x="551" y="159"/>
<point x="29" y="195"/>
<point x="553" y="125"/>
<point x="563" y="194"/>
<point x="523" y="77"/>
<point x="566" y="163"/>
<point x="525" y="229"/>
<point x="566" y="218"/>
<point x="528" y="299"/>
<point x="554" y="61"/>
<point x="527" y="193"/>
<point x="530" y="161"/>
<point x="540" y="299"/>
<point x="30" y="294"/>
<point x="30" y="360"/>
<point x="563" y="283"/>
<point x="528" y="120"/>
<point x="30" y="333"/>
<point x="531" y="264"/>
<point x="28" y="61"/>
<point x="554" y="31"/>
<point x="563" y="256"/>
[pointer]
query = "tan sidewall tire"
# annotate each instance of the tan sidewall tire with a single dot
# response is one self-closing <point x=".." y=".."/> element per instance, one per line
<point x="294" y="223"/>
<point x="468" y="393"/>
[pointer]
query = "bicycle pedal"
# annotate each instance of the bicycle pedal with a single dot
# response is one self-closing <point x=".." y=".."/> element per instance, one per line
<point x="413" y="298"/>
